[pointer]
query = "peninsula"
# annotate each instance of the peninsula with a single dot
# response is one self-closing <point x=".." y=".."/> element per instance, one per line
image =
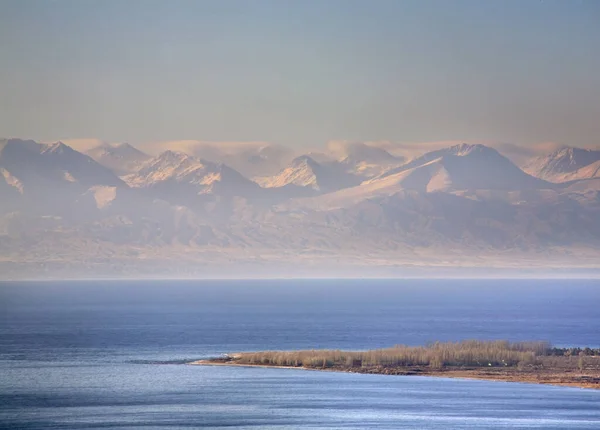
<point x="530" y="362"/>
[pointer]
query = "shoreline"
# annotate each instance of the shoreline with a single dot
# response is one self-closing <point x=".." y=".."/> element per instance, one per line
<point x="562" y="378"/>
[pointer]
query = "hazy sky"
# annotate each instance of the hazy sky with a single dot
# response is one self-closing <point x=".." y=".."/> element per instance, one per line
<point x="301" y="72"/>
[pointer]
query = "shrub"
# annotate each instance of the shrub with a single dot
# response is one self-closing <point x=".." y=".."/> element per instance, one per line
<point x="472" y="353"/>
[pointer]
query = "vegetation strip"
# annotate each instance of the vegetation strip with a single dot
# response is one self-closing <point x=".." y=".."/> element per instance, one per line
<point x="532" y="362"/>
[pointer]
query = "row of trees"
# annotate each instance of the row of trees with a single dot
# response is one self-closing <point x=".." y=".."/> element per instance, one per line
<point x="470" y="353"/>
<point x="574" y="352"/>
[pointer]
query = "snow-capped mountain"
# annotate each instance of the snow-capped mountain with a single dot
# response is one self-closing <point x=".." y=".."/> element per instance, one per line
<point x="566" y="164"/>
<point x="305" y="172"/>
<point x="591" y="171"/>
<point x="469" y="199"/>
<point x="460" y="167"/>
<point x="248" y="158"/>
<point x="121" y="158"/>
<point x="48" y="177"/>
<point x="472" y="166"/>
<point x="32" y="162"/>
<point x="467" y="166"/>
<point x="177" y="176"/>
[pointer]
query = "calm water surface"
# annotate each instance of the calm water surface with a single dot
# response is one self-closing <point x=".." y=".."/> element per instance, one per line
<point x="92" y="355"/>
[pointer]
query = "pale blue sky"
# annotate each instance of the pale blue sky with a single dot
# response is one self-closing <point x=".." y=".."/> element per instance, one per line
<point x="301" y="72"/>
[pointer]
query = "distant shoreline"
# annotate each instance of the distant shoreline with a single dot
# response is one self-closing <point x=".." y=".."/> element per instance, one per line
<point x="541" y="367"/>
<point x="588" y="381"/>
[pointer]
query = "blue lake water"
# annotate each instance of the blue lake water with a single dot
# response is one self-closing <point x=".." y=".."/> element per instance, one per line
<point x="92" y="355"/>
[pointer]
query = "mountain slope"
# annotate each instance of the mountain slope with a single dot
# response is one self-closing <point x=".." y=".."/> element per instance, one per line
<point x="591" y="171"/>
<point x="47" y="179"/>
<point x="121" y="158"/>
<point x="248" y="158"/>
<point x="564" y="165"/>
<point x="177" y="177"/>
<point x="364" y="160"/>
<point x="475" y="166"/>
<point x="31" y="162"/>
<point x="305" y="172"/>
<point x="461" y="167"/>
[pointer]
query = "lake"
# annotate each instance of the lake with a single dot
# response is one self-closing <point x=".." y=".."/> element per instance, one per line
<point x="109" y="354"/>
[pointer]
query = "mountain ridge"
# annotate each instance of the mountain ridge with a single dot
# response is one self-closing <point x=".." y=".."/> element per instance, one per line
<point x="304" y="171"/>
<point x="564" y="164"/>
<point x="466" y="199"/>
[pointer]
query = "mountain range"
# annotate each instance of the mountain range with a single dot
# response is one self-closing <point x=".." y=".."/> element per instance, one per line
<point x="114" y="210"/>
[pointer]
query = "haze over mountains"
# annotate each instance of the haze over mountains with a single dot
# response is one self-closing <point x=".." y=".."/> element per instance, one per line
<point x="117" y="211"/>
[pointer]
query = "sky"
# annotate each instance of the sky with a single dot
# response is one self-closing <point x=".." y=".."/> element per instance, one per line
<point x="303" y="72"/>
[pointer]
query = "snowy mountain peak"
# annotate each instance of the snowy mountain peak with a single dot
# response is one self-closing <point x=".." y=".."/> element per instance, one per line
<point x="563" y="165"/>
<point x="301" y="172"/>
<point x="478" y="151"/>
<point x="182" y="207"/>
<point x="50" y="176"/>
<point x="176" y="157"/>
<point x="574" y="156"/>
<point x="463" y="166"/>
<point x="304" y="171"/>
<point x="570" y="158"/>
<point x="466" y="148"/>
<point x="168" y="164"/>
<point x="178" y="174"/>
<point x="57" y="148"/>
